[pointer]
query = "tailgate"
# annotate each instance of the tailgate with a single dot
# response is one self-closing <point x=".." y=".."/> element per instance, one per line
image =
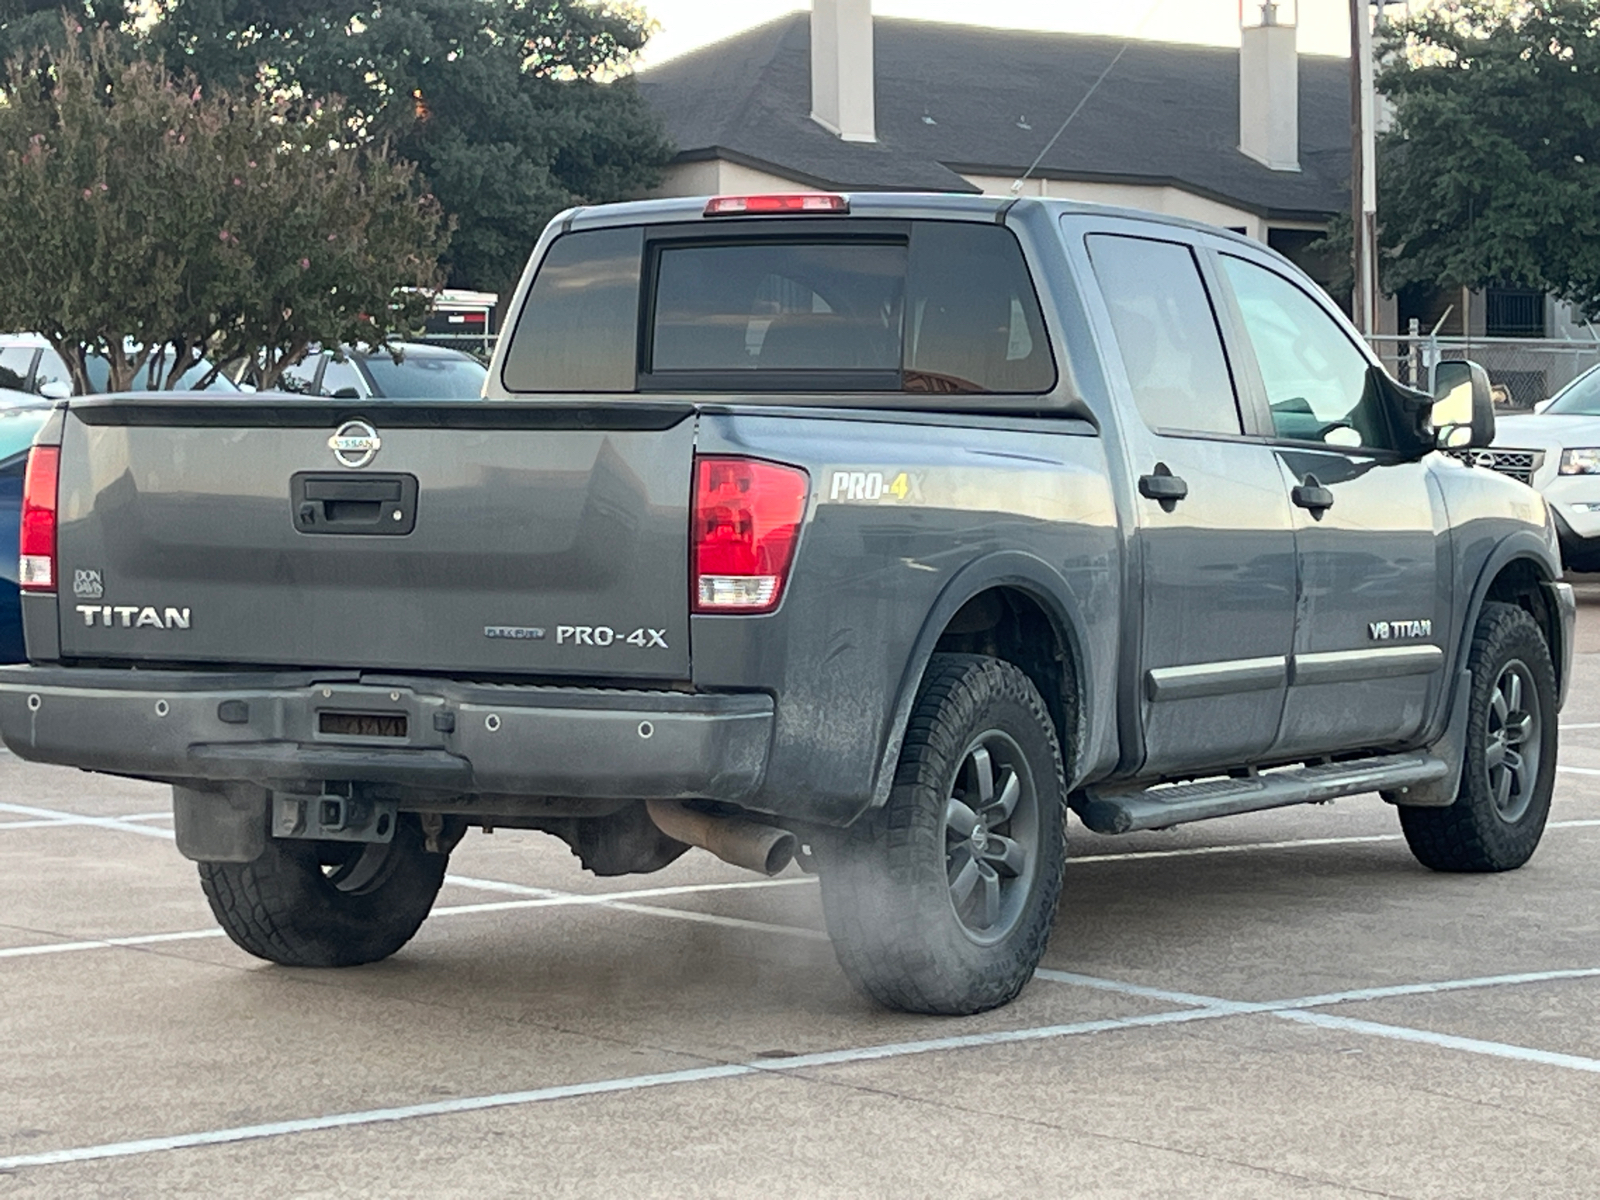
<point x="485" y="538"/>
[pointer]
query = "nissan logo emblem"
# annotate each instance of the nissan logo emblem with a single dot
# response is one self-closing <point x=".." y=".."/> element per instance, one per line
<point x="355" y="444"/>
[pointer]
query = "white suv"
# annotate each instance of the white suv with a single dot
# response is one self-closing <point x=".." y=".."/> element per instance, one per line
<point x="1557" y="450"/>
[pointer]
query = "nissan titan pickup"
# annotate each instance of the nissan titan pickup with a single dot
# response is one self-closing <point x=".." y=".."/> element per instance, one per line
<point x="879" y="530"/>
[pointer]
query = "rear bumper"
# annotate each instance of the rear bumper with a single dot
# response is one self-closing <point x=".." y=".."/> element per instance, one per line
<point x="459" y="738"/>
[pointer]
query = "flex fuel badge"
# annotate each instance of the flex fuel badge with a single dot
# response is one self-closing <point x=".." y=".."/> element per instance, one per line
<point x="875" y="487"/>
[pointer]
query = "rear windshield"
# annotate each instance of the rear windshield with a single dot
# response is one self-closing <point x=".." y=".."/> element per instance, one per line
<point x="1581" y="397"/>
<point x="948" y="307"/>
<point x="153" y="376"/>
<point x="424" y="376"/>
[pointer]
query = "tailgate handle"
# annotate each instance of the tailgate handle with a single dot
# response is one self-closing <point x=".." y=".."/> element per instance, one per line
<point x="375" y="505"/>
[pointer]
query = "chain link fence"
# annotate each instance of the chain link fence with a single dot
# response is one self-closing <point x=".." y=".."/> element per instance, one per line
<point x="1523" y="371"/>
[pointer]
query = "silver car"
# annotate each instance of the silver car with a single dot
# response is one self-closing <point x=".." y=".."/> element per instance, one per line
<point x="1557" y="450"/>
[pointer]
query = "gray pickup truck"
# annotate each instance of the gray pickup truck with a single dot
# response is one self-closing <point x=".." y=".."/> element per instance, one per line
<point x="878" y="530"/>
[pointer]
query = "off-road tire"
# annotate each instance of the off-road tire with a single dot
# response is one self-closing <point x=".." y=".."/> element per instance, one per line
<point x="1474" y="833"/>
<point x="887" y="883"/>
<point x="288" y="906"/>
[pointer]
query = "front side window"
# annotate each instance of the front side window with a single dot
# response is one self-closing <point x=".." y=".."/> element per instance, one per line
<point x="300" y="378"/>
<point x="1167" y="334"/>
<point x="1319" y="386"/>
<point x="343" y="380"/>
<point x="51" y="368"/>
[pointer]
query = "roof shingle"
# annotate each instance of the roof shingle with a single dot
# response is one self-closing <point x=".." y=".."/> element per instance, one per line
<point x="957" y="99"/>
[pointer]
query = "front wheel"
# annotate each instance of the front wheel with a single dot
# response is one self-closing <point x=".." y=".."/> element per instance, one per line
<point x="942" y="901"/>
<point x="327" y="904"/>
<point x="1509" y="771"/>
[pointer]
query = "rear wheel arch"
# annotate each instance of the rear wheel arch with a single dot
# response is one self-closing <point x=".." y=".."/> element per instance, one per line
<point x="1012" y="607"/>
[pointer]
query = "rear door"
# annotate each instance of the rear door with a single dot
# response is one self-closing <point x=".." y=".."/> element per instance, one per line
<point x="485" y="539"/>
<point x="1371" y="535"/>
<point x="1215" y="535"/>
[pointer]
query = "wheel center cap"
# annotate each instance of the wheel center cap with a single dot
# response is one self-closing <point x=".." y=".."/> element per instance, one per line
<point x="980" y="839"/>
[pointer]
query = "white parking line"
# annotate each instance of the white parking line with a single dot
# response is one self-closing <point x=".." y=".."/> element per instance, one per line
<point x="143" y="939"/>
<point x="1578" y="770"/>
<point x="1428" y="1037"/>
<point x="1205" y="1008"/>
<point x="547" y="899"/>
<point x="1582" y="725"/>
<point x="68" y="818"/>
<point x="544" y="896"/>
<point x="1295" y="1010"/>
<point x="632" y="1083"/>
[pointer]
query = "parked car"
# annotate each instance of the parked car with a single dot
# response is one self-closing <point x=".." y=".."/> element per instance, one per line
<point x="407" y="370"/>
<point x="19" y="421"/>
<point x="1556" y="449"/>
<point x="883" y="529"/>
<point x="29" y="364"/>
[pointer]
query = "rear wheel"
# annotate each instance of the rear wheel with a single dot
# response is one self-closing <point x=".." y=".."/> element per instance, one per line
<point x="327" y="904"/>
<point x="1509" y="773"/>
<point x="942" y="901"/>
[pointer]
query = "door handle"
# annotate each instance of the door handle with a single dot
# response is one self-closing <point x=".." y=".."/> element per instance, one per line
<point x="1312" y="496"/>
<point x="1163" y="486"/>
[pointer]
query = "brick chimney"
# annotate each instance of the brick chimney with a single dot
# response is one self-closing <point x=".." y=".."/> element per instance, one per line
<point x="842" y="83"/>
<point x="1269" y="92"/>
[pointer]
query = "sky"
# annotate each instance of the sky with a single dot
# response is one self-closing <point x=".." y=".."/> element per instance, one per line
<point x="1324" y="24"/>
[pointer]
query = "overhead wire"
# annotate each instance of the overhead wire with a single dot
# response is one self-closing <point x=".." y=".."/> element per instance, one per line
<point x="1149" y="12"/>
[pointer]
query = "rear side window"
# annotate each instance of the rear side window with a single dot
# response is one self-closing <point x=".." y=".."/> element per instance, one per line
<point x="579" y="329"/>
<point x="1167" y="334"/>
<point x="950" y="308"/>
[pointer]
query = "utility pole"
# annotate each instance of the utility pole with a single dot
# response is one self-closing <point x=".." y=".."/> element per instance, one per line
<point x="1363" y="170"/>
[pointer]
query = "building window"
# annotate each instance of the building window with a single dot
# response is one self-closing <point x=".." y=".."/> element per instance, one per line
<point x="1513" y="312"/>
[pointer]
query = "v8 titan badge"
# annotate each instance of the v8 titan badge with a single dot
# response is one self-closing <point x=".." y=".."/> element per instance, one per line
<point x="355" y="444"/>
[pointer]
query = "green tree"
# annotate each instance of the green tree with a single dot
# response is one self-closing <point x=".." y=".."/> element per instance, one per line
<point x="26" y="26"/>
<point x="1491" y="174"/>
<point x="139" y="213"/>
<point x="511" y="109"/>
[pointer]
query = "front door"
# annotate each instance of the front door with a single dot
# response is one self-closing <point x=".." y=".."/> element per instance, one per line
<point x="1215" y="533"/>
<point x="1369" y="528"/>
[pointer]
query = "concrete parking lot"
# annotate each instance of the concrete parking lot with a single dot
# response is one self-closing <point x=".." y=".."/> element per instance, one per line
<point x="1270" y="1005"/>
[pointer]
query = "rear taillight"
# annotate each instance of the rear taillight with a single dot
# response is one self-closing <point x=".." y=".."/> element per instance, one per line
<point x="37" y="569"/>
<point x="746" y="517"/>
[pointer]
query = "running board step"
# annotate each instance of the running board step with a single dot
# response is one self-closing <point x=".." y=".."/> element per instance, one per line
<point x="1108" y="811"/>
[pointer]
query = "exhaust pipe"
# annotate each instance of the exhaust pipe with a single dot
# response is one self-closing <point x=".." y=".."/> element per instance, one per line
<point x="744" y="843"/>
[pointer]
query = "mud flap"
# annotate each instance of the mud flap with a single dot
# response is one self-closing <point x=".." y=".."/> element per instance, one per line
<point x="224" y="824"/>
<point x="1452" y="748"/>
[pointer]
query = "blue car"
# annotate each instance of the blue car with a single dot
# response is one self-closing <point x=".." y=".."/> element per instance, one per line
<point x="18" y="424"/>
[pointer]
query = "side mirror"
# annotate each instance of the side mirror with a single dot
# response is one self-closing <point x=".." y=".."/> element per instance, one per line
<point x="1463" y="406"/>
<point x="56" y="389"/>
<point x="1543" y="404"/>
